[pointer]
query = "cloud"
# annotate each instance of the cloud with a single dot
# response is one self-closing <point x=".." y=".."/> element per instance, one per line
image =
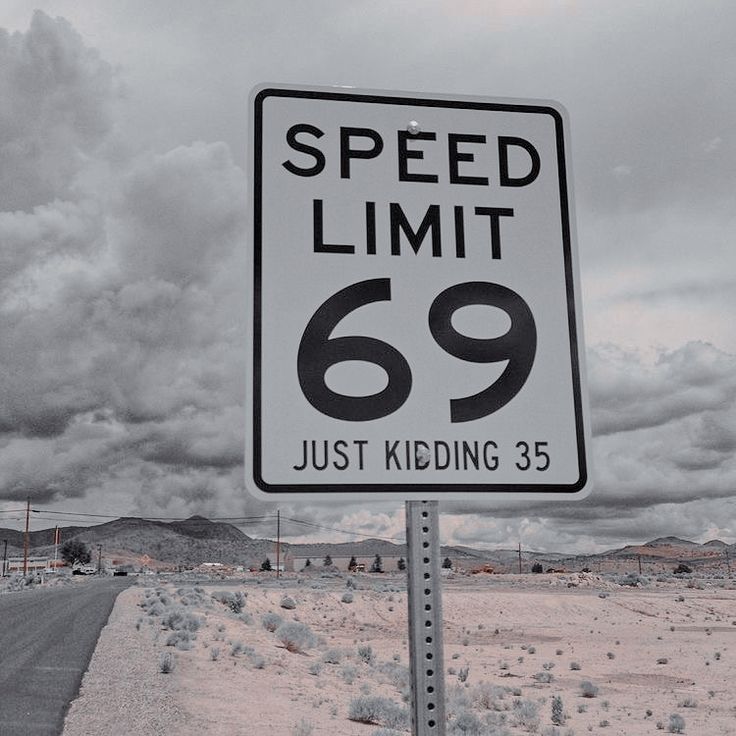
<point x="121" y="293"/>
<point x="57" y="106"/>
<point x="627" y="394"/>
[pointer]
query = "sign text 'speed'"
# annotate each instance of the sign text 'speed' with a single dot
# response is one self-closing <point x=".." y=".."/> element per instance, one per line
<point x="459" y="151"/>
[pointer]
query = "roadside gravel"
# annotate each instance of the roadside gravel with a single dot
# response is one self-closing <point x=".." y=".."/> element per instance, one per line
<point x="123" y="692"/>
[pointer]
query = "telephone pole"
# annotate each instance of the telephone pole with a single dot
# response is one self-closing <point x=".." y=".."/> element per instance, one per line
<point x="278" y="544"/>
<point x="519" y="558"/>
<point x="99" y="559"/>
<point x="26" y="536"/>
<point x="5" y="555"/>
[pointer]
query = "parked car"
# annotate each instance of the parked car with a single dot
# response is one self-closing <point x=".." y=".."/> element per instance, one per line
<point x="84" y="570"/>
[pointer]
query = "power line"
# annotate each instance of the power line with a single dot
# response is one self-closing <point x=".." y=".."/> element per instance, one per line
<point x="343" y="531"/>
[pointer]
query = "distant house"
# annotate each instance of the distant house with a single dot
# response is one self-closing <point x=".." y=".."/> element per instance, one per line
<point x="35" y="564"/>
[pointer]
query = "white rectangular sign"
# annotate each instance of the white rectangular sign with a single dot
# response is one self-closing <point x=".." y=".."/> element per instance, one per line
<point x="415" y="320"/>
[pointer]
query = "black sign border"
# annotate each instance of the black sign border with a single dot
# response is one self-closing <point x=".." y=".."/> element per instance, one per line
<point x="398" y="489"/>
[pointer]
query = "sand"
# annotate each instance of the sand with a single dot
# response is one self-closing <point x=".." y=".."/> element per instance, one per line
<point x="512" y="644"/>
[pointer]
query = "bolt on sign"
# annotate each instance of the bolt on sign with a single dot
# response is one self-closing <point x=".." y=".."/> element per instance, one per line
<point x="415" y="306"/>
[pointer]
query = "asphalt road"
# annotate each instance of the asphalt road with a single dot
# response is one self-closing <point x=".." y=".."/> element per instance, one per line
<point x="46" y="641"/>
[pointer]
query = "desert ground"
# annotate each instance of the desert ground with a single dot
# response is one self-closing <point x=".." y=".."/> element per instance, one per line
<point x="326" y="654"/>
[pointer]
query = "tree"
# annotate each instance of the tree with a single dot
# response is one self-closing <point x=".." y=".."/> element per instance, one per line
<point x="377" y="565"/>
<point x="683" y="569"/>
<point x="266" y="565"/>
<point x="308" y="563"/>
<point x="352" y="564"/>
<point x="74" y="551"/>
<point x="537" y="567"/>
<point x="327" y="562"/>
<point x="447" y="563"/>
<point x="401" y="564"/>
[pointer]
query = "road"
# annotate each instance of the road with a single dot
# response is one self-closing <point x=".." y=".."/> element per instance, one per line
<point x="47" y="637"/>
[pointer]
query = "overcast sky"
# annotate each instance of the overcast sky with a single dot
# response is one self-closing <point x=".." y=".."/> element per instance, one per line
<point x="123" y="142"/>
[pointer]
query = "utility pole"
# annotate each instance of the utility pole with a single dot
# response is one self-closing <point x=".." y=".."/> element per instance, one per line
<point x="57" y="539"/>
<point x="728" y="562"/>
<point x="99" y="559"/>
<point x="519" y="558"/>
<point x="278" y="543"/>
<point x="26" y="537"/>
<point x="5" y="555"/>
<point x="638" y="557"/>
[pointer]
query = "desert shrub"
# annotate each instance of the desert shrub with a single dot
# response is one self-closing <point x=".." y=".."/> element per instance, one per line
<point x="463" y="673"/>
<point x="315" y="668"/>
<point x="191" y="596"/>
<point x="688" y="702"/>
<point x="332" y="656"/>
<point x="526" y="715"/>
<point x="558" y="711"/>
<point x="466" y="723"/>
<point x="288" y="603"/>
<point x="544" y="677"/>
<point x="271" y="621"/>
<point x="234" y="600"/>
<point x="365" y="652"/>
<point x="303" y="728"/>
<point x="166" y="663"/>
<point x="663" y="660"/>
<point x="177" y="619"/>
<point x="633" y="580"/>
<point x="487" y="696"/>
<point x="296" y="637"/>
<point x="379" y="711"/>
<point x="348" y="673"/>
<point x="214" y="653"/>
<point x="588" y="689"/>
<point x="676" y="724"/>
<point x="575" y="666"/>
<point x="347" y="597"/>
<point x="181" y="639"/>
<point x="257" y="662"/>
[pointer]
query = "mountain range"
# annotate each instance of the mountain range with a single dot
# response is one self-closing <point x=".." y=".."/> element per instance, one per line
<point x="197" y="540"/>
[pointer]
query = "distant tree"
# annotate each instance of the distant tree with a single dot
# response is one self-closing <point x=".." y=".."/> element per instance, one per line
<point x="683" y="569"/>
<point x="352" y="564"/>
<point x="537" y="567"/>
<point x="308" y="563"/>
<point x="447" y="563"/>
<point x="377" y="565"/>
<point x="401" y="564"/>
<point x="327" y="562"/>
<point x="266" y="565"/>
<point x="74" y="550"/>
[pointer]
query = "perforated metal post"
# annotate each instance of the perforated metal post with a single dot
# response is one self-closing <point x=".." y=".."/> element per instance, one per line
<point x="425" y="618"/>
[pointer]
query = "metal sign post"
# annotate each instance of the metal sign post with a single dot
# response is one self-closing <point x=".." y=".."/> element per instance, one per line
<point x="425" y="618"/>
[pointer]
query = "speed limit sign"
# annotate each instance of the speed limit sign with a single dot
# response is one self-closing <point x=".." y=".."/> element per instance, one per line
<point x="415" y="325"/>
